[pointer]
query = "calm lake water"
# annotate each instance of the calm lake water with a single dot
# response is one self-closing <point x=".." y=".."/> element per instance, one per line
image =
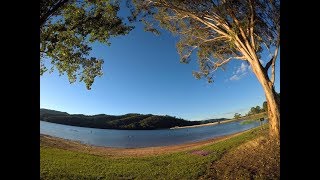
<point x="141" y="138"/>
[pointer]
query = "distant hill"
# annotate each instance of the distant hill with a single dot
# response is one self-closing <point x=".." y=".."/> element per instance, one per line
<point x="103" y="121"/>
<point x="127" y="121"/>
<point x="52" y="112"/>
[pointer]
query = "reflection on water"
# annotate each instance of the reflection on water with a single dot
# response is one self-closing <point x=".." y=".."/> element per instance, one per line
<point x="141" y="138"/>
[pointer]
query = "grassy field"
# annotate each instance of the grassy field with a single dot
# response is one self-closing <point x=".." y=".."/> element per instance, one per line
<point x="256" y="116"/>
<point x="253" y="118"/>
<point x="65" y="164"/>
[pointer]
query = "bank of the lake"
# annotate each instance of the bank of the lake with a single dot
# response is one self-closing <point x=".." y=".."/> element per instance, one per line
<point x="50" y="141"/>
<point x="207" y="124"/>
<point x="249" y="119"/>
<point x="61" y="159"/>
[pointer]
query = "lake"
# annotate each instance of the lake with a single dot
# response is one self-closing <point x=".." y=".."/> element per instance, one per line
<point x="141" y="138"/>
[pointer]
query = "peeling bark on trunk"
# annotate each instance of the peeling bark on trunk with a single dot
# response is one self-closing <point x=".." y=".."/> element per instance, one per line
<point x="273" y="100"/>
<point x="274" y="114"/>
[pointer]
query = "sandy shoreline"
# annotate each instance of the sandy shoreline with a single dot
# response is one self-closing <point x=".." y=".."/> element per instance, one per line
<point x="207" y="124"/>
<point x="216" y="123"/>
<point x="50" y="141"/>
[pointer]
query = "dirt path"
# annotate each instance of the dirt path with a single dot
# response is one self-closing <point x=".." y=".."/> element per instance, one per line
<point x="49" y="141"/>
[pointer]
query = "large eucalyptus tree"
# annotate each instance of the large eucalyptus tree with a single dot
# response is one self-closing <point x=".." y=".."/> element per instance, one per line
<point x="221" y="31"/>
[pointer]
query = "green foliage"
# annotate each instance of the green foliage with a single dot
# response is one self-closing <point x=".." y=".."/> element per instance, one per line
<point x="209" y="28"/>
<point x="258" y="109"/>
<point x="65" y="164"/>
<point x="248" y="122"/>
<point x="255" y="110"/>
<point x="67" y="27"/>
<point x="265" y="106"/>
<point x="258" y="116"/>
<point x="237" y="115"/>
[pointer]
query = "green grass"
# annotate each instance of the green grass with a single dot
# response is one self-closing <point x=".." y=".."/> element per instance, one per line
<point x="253" y="118"/>
<point x="64" y="164"/>
<point x="247" y="122"/>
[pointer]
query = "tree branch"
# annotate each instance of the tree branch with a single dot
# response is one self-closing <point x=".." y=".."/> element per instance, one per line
<point x="217" y="65"/>
<point x="191" y="15"/>
<point x="248" y="47"/>
<point x="238" y="42"/>
<point x="51" y="11"/>
<point x="273" y="61"/>
<point x="175" y="17"/>
<point x="192" y="29"/>
<point x="266" y="68"/>
<point x="186" y="56"/>
<point x="252" y="23"/>
<point x="241" y="47"/>
<point x="246" y="50"/>
<point x="213" y="39"/>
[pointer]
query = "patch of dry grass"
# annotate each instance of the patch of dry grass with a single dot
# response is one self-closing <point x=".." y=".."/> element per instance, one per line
<point x="256" y="159"/>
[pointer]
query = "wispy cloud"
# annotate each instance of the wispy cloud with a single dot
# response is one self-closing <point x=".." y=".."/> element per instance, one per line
<point x="240" y="72"/>
<point x="234" y="77"/>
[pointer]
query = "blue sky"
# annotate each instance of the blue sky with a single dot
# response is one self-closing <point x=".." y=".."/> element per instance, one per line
<point x="142" y="74"/>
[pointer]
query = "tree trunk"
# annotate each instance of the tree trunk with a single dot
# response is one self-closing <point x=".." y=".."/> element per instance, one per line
<point x="273" y="100"/>
<point x="274" y="114"/>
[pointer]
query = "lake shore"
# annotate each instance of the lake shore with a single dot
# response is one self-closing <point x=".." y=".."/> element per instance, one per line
<point x="211" y="159"/>
<point x="55" y="142"/>
<point x="207" y="124"/>
<point x="251" y="117"/>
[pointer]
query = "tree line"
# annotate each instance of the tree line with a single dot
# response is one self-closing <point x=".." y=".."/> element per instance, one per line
<point x="255" y="110"/>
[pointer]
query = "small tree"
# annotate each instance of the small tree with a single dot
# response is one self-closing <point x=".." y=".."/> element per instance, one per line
<point x="258" y="109"/>
<point x="265" y="106"/>
<point x="252" y="110"/>
<point x="67" y="27"/>
<point x="221" y="31"/>
<point x="237" y="115"/>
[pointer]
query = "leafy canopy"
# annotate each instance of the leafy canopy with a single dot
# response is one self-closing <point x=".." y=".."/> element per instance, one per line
<point x="218" y="31"/>
<point x="67" y="27"/>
